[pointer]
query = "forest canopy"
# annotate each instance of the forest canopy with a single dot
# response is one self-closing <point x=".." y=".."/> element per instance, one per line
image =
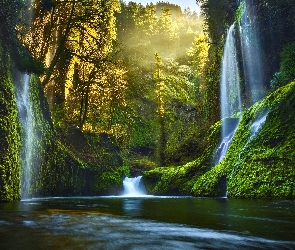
<point x="124" y="69"/>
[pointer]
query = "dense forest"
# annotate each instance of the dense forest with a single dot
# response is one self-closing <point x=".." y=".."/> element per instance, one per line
<point x="120" y="89"/>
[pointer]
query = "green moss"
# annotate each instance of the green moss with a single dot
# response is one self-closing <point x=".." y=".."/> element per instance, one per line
<point x="180" y="180"/>
<point x="108" y="183"/>
<point x="261" y="166"/>
<point x="9" y="135"/>
<point x="173" y="180"/>
<point x="240" y="12"/>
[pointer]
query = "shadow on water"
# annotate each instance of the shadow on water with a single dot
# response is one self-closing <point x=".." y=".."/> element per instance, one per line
<point x="147" y="223"/>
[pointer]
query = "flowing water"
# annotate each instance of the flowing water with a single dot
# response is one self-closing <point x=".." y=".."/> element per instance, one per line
<point x="252" y="67"/>
<point x="251" y="53"/>
<point x="147" y="223"/>
<point x="133" y="187"/>
<point x="25" y="111"/>
<point x="230" y="79"/>
<point x="26" y="118"/>
<point x="223" y="146"/>
<point x="230" y="94"/>
<point x="257" y="125"/>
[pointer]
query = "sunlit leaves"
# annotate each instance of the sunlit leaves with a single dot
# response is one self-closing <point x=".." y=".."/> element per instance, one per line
<point x="199" y="54"/>
<point x="76" y="41"/>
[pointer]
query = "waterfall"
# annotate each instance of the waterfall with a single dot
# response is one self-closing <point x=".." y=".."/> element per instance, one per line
<point x="25" y="112"/>
<point x="230" y="94"/>
<point x="230" y="78"/>
<point x="27" y="123"/>
<point x="133" y="187"/>
<point x="251" y="54"/>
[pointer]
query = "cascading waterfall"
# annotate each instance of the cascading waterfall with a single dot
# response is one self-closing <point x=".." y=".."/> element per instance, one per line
<point x="27" y="123"/>
<point x="133" y="187"/>
<point x="230" y="79"/>
<point x="230" y="94"/>
<point x="251" y="54"/>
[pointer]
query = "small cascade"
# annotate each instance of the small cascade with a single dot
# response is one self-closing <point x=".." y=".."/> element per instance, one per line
<point x="223" y="147"/>
<point x="254" y="128"/>
<point x="229" y="126"/>
<point x="257" y="125"/>
<point x="26" y="118"/>
<point x="133" y="187"/>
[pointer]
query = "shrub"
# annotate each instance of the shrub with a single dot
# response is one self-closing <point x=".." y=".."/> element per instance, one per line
<point x="287" y="67"/>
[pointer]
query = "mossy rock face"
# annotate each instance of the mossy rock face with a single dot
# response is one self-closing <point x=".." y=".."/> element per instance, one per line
<point x="138" y="167"/>
<point x="108" y="183"/>
<point x="260" y="165"/>
<point x="266" y="168"/>
<point x="9" y="134"/>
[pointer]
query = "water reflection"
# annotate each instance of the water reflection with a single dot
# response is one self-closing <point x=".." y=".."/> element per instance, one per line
<point x="132" y="207"/>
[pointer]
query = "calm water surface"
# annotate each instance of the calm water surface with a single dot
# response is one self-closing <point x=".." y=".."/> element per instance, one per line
<point x="147" y="223"/>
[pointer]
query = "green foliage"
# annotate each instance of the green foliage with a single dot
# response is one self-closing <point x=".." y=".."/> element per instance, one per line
<point x="174" y="180"/>
<point x="280" y="16"/>
<point x="240" y="12"/>
<point x="260" y="166"/>
<point x="9" y="134"/>
<point x="12" y="15"/>
<point x="218" y="15"/>
<point x="180" y="180"/>
<point x="68" y="162"/>
<point x="24" y="62"/>
<point x="287" y="67"/>
<point x="110" y="183"/>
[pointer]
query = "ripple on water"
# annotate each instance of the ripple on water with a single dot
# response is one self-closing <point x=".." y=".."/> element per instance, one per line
<point x="117" y="232"/>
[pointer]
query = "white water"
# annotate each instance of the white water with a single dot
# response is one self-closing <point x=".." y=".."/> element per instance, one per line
<point x="251" y="53"/>
<point x="26" y="118"/>
<point x="256" y="126"/>
<point x="230" y="94"/>
<point x="133" y="187"/>
<point x="223" y="147"/>
<point x="230" y="78"/>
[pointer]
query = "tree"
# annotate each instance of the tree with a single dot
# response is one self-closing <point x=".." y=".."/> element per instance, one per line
<point x="54" y="33"/>
<point x="77" y="41"/>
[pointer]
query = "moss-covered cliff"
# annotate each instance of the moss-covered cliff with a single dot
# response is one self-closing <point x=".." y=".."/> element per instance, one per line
<point x="256" y="166"/>
<point x="60" y="166"/>
<point x="9" y="134"/>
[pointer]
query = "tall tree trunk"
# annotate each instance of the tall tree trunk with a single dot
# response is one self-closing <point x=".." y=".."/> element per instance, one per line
<point x="60" y="48"/>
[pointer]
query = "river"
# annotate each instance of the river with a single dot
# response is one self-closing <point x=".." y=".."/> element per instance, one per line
<point x="147" y="223"/>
